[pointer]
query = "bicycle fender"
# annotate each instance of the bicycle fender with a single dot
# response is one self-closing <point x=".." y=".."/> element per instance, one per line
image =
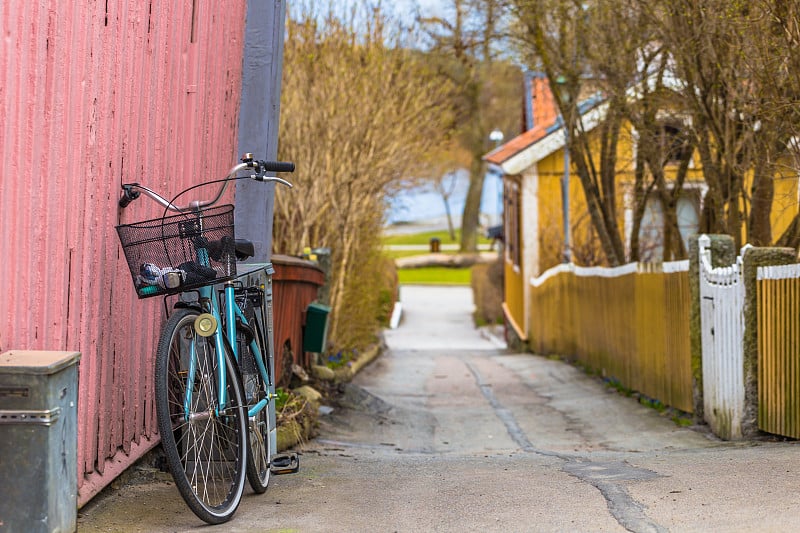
<point x="188" y="305"/>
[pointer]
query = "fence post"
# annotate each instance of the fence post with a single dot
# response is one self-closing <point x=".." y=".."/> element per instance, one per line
<point x="723" y="253"/>
<point x="752" y="259"/>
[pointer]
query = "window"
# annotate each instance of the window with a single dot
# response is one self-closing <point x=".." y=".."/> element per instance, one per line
<point x="688" y="214"/>
<point x="675" y="144"/>
<point x="651" y="231"/>
<point x="511" y="219"/>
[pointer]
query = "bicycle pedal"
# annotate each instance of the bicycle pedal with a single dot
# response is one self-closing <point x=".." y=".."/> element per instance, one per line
<point x="285" y="463"/>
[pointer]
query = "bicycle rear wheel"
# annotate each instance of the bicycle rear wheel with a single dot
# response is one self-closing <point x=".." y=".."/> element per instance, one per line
<point x="205" y="445"/>
<point x="259" y="452"/>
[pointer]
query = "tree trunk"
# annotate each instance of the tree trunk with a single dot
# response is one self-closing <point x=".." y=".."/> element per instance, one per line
<point x="791" y="237"/>
<point x="338" y="289"/>
<point x="735" y="217"/>
<point x="472" y="207"/>
<point x="450" y="229"/>
<point x="760" y="226"/>
<point x="595" y="207"/>
<point x="639" y="201"/>
<point x="712" y="219"/>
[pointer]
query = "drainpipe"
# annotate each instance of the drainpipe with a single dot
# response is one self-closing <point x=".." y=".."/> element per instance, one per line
<point x="528" y="88"/>
<point x="565" y="199"/>
<point x="567" y="251"/>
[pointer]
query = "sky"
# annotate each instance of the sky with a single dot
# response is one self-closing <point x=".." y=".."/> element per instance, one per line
<point x="427" y="8"/>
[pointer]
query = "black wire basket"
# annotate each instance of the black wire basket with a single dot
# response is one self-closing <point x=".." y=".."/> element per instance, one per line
<point x="176" y="253"/>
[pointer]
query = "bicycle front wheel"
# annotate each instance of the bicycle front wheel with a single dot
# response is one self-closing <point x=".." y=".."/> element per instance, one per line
<point x="205" y="443"/>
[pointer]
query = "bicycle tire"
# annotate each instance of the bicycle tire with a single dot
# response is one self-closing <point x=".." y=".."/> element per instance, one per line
<point x="259" y="451"/>
<point x="207" y="453"/>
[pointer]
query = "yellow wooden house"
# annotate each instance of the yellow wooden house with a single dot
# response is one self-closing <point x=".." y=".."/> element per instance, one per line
<point x="533" y="164"/>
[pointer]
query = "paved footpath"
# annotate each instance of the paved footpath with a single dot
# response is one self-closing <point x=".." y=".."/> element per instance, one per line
<point x="446" y="431"/>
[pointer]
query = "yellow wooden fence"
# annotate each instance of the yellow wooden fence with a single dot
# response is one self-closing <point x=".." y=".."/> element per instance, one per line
<point x="628" y="324"/>
<point x="778" y="315"/>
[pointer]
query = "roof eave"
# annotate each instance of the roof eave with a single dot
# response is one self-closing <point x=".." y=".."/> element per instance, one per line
<point x="553" y="142"/>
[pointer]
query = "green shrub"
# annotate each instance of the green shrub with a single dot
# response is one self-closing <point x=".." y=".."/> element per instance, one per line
<point x="487" y="292"/>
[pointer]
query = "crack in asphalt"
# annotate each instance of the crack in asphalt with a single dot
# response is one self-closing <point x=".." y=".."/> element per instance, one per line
<point x="605" y="477"/>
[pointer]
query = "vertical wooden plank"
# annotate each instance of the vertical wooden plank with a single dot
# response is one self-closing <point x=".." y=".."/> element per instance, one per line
<point x="763" y="360"/>
<point x="794" y="353"/>
<point x="793" y="321"/>
<point x="781" y="379"/>
<point x="789" y="382"/>
<point x="770" y="355"/>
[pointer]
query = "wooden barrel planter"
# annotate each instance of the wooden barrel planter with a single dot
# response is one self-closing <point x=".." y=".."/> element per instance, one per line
<point x="295" y="284"/>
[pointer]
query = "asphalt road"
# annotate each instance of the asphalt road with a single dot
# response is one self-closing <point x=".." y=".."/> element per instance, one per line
<point x="448" y="432"/>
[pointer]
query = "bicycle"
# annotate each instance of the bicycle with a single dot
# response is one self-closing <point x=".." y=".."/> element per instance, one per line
<point x="214" y="362"/>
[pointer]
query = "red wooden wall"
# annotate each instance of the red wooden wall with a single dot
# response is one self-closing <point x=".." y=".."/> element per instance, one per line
<point x="94" y="94"/>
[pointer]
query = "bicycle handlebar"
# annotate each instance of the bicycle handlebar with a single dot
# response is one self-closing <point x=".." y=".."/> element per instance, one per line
<point x="274" y="166"/>
<point x="132" y="191"/>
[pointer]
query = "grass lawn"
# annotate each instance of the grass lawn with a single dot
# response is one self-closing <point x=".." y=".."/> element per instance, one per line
<point x="421" y="238"/>
<point x="429" y="275"/>
<point x="396" y="254"/>
<point x="435" y="276"/>
<point x="425" y="238"/>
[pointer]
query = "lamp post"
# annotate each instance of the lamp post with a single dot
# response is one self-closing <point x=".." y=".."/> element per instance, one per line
<point x="496" y="136"/>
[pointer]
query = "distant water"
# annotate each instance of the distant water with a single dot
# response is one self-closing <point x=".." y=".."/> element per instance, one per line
<point x="425" y="204"/>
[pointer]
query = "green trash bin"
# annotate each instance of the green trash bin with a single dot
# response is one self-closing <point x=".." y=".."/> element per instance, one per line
<point x="316" y="328"/>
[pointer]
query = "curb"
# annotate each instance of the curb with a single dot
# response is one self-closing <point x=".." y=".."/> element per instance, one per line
<point x="347" y="373"/>
<point x="294" y="433"/>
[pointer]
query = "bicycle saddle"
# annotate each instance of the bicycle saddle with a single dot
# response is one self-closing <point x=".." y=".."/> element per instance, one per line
<point x="244" y="249"/>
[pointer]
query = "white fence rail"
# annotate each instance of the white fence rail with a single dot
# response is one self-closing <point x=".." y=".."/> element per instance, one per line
<point x="778" y="272"/>
<point x="722" y="330"/>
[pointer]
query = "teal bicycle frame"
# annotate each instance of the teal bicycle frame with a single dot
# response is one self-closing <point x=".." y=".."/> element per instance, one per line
<point x="232" y="311"/>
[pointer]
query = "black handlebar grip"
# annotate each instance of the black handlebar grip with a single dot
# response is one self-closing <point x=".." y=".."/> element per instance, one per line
<point x="128" y="195"/>
<point x="277" y="166"/>
<point x="124" y="201"/>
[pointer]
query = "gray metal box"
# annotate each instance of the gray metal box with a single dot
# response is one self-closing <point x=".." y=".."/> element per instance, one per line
<point x="38" y="441"/>
<point x="261" y="274"/>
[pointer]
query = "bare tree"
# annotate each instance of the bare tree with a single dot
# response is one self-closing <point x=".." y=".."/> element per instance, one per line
<point x="445" y="185"/>
<point x="713" y="77"/>
<point x="738" y="62"/>
<point x="486" y="92"/>
<point x="774" y="66"/>
<point x="359" y="112"/>
<point x="589" y="50"/>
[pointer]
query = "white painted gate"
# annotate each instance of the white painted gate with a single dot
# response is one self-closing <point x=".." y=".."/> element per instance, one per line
<point x="722" y="328"/>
